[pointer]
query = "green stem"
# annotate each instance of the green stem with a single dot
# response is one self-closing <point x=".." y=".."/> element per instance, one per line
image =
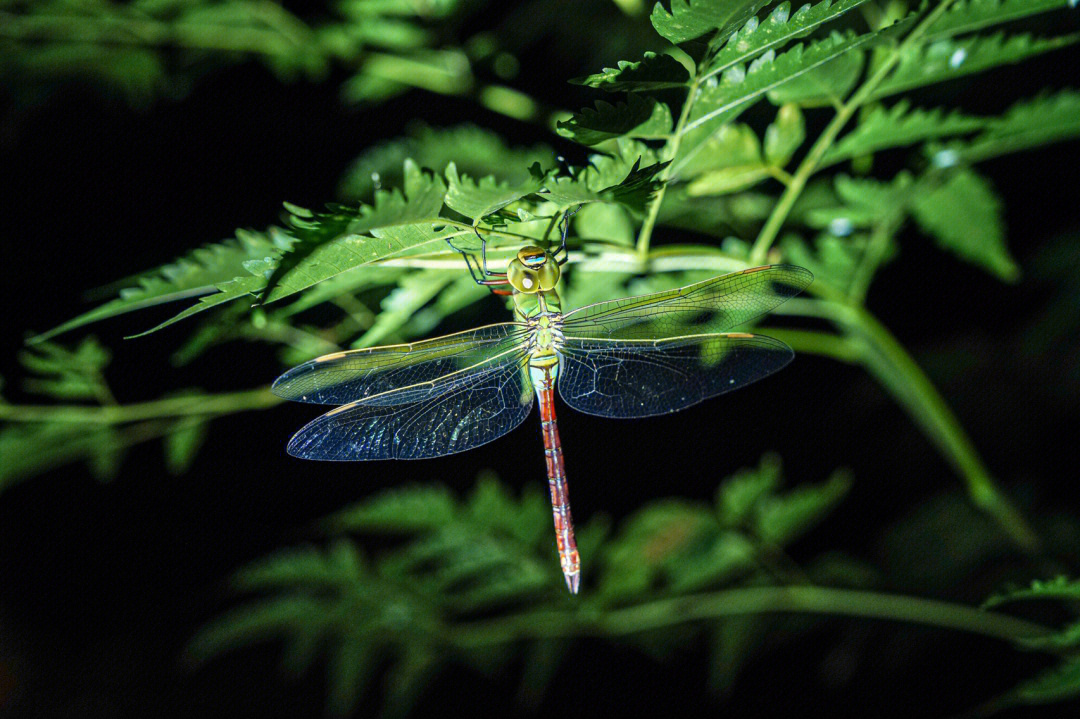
<point x="751" y="600"/>
<point x="119" y="414"/>
<point x="645" y="236"/>
<point x="892" y="366"/>
<point x="825" y="140"/>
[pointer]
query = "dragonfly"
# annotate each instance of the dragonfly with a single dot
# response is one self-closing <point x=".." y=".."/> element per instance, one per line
<point x="625" y="358"/>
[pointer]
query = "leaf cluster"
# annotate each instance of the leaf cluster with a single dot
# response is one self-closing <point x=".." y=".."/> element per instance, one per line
<point x="473" y="581"/>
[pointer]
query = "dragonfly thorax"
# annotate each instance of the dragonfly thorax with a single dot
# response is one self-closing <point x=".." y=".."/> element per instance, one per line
<point x="533" y="270"/>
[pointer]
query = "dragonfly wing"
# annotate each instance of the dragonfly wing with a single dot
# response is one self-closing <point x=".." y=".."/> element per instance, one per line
<point x="373" y="372"/>
<point x="714" y="305"/>
<point x="643" y="378"/>
<point x="465" y="411"/>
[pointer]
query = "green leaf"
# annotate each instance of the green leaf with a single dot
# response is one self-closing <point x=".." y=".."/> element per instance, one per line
<point x="738" y="495"/>
<point x="732" y="147"/>
<point x="256" y="622"/>
<point x="736" y="87"/>
<point x="630" y="184"/>
<point x="1028" y="124"/>
<point x="348" y="670"/>
<point x="948" y="59"/>
<point x="654" y="72"/>
<point x="183" y="443"/>
<point x="775" y="31"/>
<point x="781" y="519"/>
<point x="885" y="128"/>
<point x="1058" y="683"/>
<point x="827" y="84"/>
<point x="1060" y="588"/>
<point x="640" y="116"/>
<point x="413" y="292"/>
<point x="473" y="150"/>
<point x="971" y="15"/>
<point x="194" y="274"/>
<point x="405" y="510"/>
<point x="1066" y="638"/>
<point x="692" y="19"/>
<point x="964" y="214"/>
<point x="784" y="136"/>
<point x="478" y="199"/>
<point x="421" y="202"/>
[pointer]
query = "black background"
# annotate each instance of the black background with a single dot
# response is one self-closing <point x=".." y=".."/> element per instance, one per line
<point x="101" y="585"/>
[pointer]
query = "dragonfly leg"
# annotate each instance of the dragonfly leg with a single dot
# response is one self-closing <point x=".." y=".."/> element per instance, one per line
<point x="564" y="230"/>
<point x="475" y="267"/>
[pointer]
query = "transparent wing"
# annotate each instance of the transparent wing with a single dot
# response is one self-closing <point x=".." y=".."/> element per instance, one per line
<point x="640" y="378"/>
<point x="373" y="372"/>
<point x="714" y="305"/>
<point x="465" y="411"/>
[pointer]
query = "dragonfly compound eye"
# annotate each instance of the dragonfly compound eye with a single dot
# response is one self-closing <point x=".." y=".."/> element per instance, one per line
<point x="522" y="278"/>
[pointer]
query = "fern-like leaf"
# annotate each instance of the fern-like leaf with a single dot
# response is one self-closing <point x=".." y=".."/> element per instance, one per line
<point x="973" y="15"/>
<point x="737" y="88"/>
<point x="479" y="198"/>
<point x="1060" y="588"/>
<point x="190" y="276"/>
<point x="964" y="214"/>
<point x="421" y="201"/>
<point x="640" y="116"/>
<point x="1026" y="125"/>
<point x="775" y="31"/>
<point x="693" y="19"/>
<point x="948" y="59"/>
<point x="653" y="72"/>
<point x="899" y="126"/>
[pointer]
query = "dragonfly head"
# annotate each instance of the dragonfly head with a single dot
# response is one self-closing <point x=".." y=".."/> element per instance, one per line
<point x="533" y="270"/>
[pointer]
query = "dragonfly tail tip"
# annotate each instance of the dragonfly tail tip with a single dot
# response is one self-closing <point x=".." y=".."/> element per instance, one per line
<point x="572" y="581"/>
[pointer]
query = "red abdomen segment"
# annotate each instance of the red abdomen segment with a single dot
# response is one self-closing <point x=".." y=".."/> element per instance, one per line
<point x="560" y="498"/>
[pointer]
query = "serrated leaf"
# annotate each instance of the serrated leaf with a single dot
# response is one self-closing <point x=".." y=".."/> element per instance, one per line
<point x="827" y="84"/>
<point x="971" y="15"/>
<point x="640" y="116"/>
<point x="606" y="223"/>
<point x="948" y="59"/>
<point x="478" y="199"/>
<point x="395" y="228"/>
<point x="736" y="87"/>
<point x="784" y="135"/>
<point x="964" y="214"/>
<point x="693" y="19"/>
<point x="727" y="180"/>
<point x="1060" y="588"/>
<point x="588" y="185"/>
<point x="884" y="128"/>
<point x="421" y="202"/>
<point x="781" y="519"/>
<point x="1027" y="124"/>
<point x="653" y="72"/>
<point x="194" y="274"/>
<point x="775" y="31"/>
<point x="476" y="151"/>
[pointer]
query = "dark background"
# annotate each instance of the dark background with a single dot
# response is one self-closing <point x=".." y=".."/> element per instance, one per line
<point x="101" y="585"/>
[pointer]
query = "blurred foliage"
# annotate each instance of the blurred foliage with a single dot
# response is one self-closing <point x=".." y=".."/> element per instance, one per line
<point x="472" y="581"/>
<point x="791" y="133"/>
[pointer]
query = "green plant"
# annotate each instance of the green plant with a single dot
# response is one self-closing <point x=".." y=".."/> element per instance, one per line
<point x="755" y="122"/>
<point x="471" y="583"/>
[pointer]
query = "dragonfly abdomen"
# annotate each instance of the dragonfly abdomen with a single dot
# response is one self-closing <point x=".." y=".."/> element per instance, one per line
<point x="556" y="469"/>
